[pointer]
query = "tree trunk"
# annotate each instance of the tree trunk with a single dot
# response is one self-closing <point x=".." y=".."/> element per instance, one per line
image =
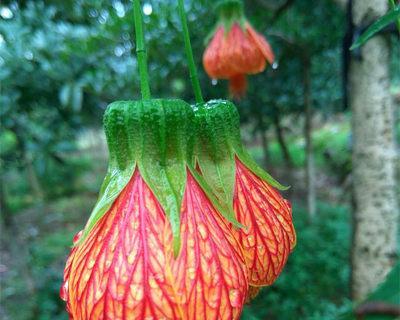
<point x="374" y="155"/>
<point x="310" y="169"/>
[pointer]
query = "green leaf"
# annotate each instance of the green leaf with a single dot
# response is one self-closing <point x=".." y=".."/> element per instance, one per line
<point x="392" y="16"/>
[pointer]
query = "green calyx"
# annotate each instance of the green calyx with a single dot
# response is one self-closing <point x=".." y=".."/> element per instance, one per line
<point x="217" y="145"/>
<point x="230" y="12"/>
<point x="155" y="137"/>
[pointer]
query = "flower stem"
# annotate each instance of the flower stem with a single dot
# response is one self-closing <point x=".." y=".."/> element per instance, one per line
<point x="141" y="51"/>
<point x="189" y="54"/>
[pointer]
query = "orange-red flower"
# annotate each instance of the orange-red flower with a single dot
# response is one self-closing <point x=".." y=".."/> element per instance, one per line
<point x="268" y="236"/>
<point x="248" y="192"/>
<point x="126" y="264"/>
<point x="236" y="50"/>
<point x="126" y="269"/>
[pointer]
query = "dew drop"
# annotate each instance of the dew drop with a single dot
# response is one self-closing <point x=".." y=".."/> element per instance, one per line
<point x="147" y="10"/>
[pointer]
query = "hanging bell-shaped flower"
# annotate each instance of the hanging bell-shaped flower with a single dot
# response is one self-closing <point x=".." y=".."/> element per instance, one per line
<point x="156" y="245"/>
<point x="235" y="48"/>
<point x="245" y="190"/>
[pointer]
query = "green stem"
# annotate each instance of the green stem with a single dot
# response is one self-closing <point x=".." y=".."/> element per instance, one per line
<point x="189" y="54"/>
<point x="141" y="51"/>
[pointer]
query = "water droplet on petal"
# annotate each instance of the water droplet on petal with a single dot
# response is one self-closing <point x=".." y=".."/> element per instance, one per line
<point x="275" y="65"/>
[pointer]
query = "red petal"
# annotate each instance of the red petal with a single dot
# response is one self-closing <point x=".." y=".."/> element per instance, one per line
<point x="210" y="270"/>
<point x="261" y="43"/>
<point x="241" y="53"/>
<point x="238" y="86"/>
<point x="125" y="268"/>
<point x="232" y="54"/>
<point x="214" y="59"/>
<point x="269" y="235"/>
<point x="119" y="271"/>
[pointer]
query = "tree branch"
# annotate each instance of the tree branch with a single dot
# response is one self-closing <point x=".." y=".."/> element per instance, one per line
<point x="377" y="307"/>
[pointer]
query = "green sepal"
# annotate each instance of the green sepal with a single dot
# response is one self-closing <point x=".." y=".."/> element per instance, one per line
<point x="167" y="149"/>
<point x="217" y="145"/>
<point x="229" y="12"/>
<point x="214" y="154"/>
<point x="156" y="138"/>
<point x="227" y="213"/>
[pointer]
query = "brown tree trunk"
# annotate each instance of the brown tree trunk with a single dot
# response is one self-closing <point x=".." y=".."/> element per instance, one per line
<point x="310" y="168"/>
<point x="374" y="155"/>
